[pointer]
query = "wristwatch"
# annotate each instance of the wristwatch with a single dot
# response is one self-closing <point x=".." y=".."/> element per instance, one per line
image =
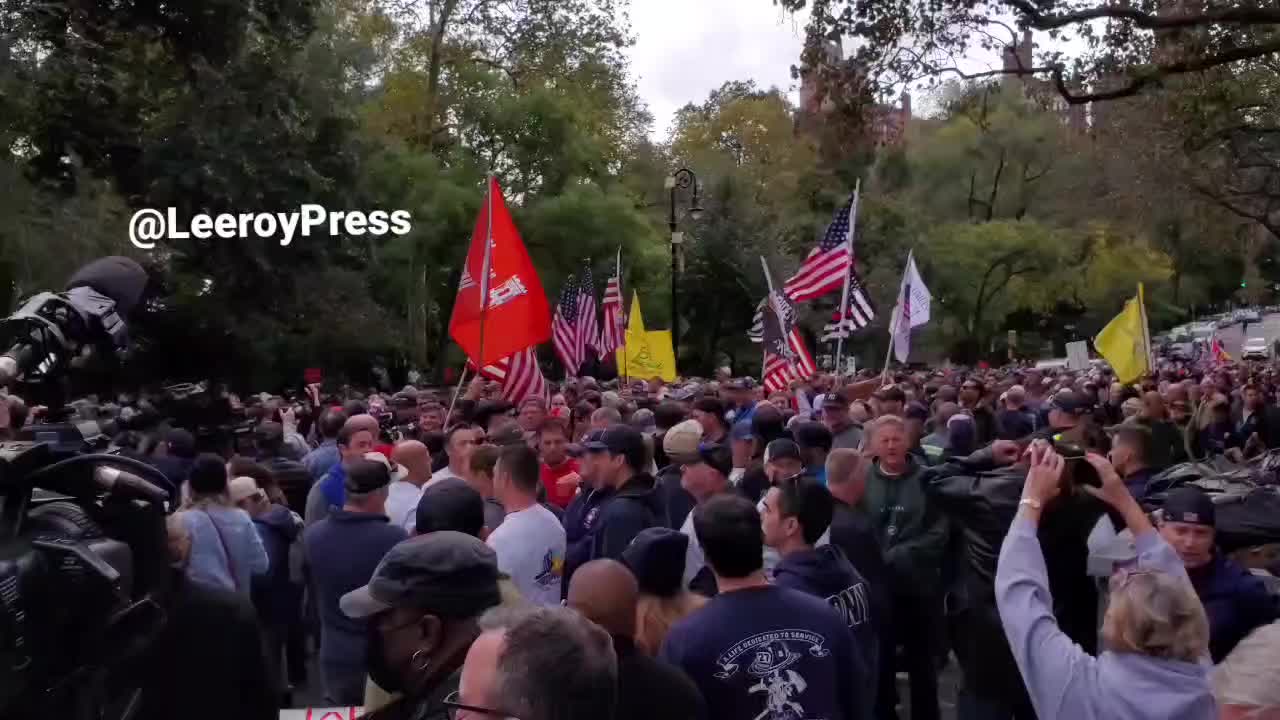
<point x="1030" y="502"/>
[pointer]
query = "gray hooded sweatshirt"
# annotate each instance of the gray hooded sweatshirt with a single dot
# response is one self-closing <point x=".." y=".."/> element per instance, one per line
<point x="1066" y="683"/>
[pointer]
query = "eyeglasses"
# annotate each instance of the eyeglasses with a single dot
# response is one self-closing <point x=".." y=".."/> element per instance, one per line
<point x="456" y="709"/>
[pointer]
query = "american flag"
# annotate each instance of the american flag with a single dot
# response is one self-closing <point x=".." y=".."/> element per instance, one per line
<point x="857" y="315"/>
<point x="825" y="267"/>
<point x="780" y="372"/>
<point x="613" y="334"/>
<point x="520" y="376"/>
<point x="564" y="327"/>
<point x="588" y="327"/>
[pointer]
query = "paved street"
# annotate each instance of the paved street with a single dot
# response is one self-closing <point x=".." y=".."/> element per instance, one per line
<point x="1233" y="339"/>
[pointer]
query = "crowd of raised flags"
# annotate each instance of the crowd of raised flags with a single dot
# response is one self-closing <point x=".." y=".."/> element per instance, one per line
<point x="501" y="314"/>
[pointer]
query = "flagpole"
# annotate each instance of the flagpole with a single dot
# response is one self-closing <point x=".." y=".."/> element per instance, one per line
<point x="618" y="269"/>
<point x="768" y="280"/>
<point x="893" y="325"/>
<point x="897" y="318"/>
<point x="844" y="296"/>
<point x="484" y="266"/>
<point x="1146" y="331"/>
<point x="456" y="392"/>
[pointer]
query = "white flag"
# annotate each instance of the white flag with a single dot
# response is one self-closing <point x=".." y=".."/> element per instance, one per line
<point x="912" y="309"/>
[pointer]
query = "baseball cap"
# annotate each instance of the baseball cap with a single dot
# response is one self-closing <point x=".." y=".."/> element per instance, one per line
<point x="717" y="456"/>
<point x="449" y="504"/>
<point x="618" y="440"/>
<point x="835" y="400"/>
<point x="395" y="470"/>
<point x="1129" y="425"/>
<point x="782" y="449"/>
<point x="656" y="558"/>
<point x="365" y="476"/>
<point x="1070" y="402"/>
<point x="242" y="488"/>
<point x="1189" y="505"/>
<point x="181" y="443"/>
<point x="681" y="441"/>
<point x="446" y="572"/>
<point x="813" y="435"/>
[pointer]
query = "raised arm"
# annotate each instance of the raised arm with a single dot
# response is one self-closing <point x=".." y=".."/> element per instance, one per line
<point x="1059" y="675"/>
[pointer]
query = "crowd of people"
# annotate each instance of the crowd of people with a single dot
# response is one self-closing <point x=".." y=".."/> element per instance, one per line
<point x="702" y="550"/>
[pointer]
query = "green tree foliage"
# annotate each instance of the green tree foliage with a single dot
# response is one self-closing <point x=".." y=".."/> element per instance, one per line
<point x="1019" y="221"/>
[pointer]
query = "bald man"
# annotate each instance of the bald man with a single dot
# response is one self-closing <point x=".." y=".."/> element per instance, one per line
<point x="606" y="593"/>
<point x="403" y="494"/>
<point x="357" y="437"/>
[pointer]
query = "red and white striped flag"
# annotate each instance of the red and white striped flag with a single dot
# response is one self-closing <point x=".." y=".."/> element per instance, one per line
<point x="780" y="372"/>
<point x="613" y="334"/>
<point x="564" y="328"/>
<point x="574" y="331"/>
<point x="588" y="326"/>
<point x="519" y="374"/>
<point x="827" y="265"/>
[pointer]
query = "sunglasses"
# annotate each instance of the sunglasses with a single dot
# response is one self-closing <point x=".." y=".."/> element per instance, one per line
<point x="455" y="708"/>
<point x="1121" y="578"/>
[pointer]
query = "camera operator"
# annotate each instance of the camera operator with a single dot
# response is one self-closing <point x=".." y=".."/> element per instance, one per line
<point x="208" y="662"/>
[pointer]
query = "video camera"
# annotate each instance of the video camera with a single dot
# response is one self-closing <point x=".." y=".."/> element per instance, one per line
<point x="83" y="554"/>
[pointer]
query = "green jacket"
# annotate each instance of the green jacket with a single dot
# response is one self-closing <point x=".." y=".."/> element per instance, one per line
<point x="912" y="533"/>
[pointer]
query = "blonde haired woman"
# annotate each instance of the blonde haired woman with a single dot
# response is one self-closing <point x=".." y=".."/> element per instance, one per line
<point x="1155" y="635"/>
<point x="656" y="558"/>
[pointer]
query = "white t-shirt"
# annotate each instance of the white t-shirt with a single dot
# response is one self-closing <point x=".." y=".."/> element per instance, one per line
<point x="530" y="548"/>
<point x="443" y="473"/>
<point x="402" y="504"/>
<point x="694" y="560"/>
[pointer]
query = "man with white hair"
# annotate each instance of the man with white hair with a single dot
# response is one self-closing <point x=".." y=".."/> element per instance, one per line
<point x="1247" y="683"/>
<point x="276" y="594"/>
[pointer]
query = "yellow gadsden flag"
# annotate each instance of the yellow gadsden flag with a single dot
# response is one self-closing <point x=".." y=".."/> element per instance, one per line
<point x="648" y="353"/>
<point x="1125" y="341"/>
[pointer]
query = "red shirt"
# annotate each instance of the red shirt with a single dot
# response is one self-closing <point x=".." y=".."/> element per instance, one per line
<point x="558" y="495"/>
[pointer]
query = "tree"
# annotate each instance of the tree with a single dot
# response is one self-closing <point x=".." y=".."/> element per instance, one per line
<point x="1128" y="47"/>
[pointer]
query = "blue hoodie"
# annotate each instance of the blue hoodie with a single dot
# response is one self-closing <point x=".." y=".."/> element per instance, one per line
<point x="824" y="571"/>
<point x="1065" y="682"/>
<point x="276" y="597"/>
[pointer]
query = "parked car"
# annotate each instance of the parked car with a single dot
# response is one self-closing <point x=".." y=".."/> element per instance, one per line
<point x="1256" y="348"/>
<point x="1250" y="315"/>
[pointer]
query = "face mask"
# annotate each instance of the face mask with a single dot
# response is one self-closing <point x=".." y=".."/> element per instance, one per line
<point x="380" y="672"/>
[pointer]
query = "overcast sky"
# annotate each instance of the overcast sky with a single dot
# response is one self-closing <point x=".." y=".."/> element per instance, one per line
<point x="687" y="48"/>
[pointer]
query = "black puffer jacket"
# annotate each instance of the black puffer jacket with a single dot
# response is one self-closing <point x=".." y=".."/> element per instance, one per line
<point x="981" y="501"/>
<point x="635" y="506"/>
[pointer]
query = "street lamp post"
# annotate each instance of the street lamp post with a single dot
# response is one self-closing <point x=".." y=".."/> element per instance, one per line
<point x="680" y="179"/>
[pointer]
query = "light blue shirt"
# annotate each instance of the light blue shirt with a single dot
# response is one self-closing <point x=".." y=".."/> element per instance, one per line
<point x="226" y="551"/>
<point x="318" y="462"/>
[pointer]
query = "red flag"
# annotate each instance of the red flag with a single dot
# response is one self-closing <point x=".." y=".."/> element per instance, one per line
<point x="516" y="314"/>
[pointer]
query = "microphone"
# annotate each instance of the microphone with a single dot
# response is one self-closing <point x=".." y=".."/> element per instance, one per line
<point x="50" y="330"/>
<point x="117" y="277"/>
